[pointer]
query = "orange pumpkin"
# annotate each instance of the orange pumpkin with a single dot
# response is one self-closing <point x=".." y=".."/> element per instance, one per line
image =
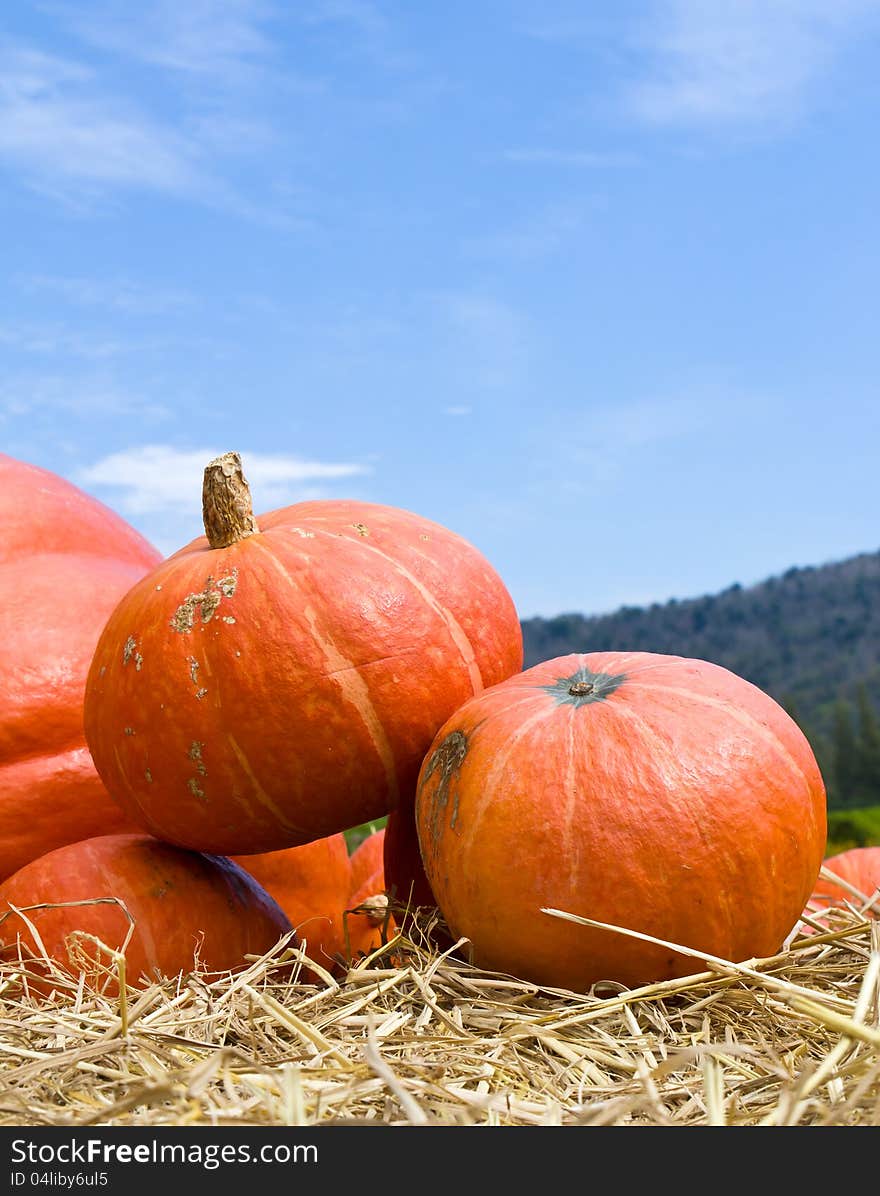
<point x="65" y="561"/>
<point x="279" y="681"/>
<point x="859" y="868"/>
<point x="183" y="904"/>
<point x="655" y="793"/>
<point x="312" y="884"/>
<point x="368" y="916"/>
<point x="368" y="862"/>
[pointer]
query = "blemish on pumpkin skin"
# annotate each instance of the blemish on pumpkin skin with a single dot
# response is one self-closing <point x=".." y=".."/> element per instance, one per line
<point x="149" y="776"/>
<point x="361" y="529"/>
<point x="129" y="730"/>
<point x="195" y="788"/>
<point x="203" y="604"/>
<point x="200" y="693"/>
<point x="128" y="651"/>
<point x="195" y="754"/>
<point x="446" y="760"/>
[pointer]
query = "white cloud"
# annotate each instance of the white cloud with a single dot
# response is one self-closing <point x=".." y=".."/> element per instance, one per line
<point x="729" y="61"/>
<point x="119" y="294"/>
<point x="159" y="478"/>
<point x="27" y="395"/>
<point x="490" y="337"/>
<point x="585" y="159"/>
<point x="55" y="127"/>
<point x="199" y="37"/>
<point x="539" y="234"/>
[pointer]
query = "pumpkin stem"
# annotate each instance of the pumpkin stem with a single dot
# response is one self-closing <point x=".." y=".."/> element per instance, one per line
<point x="227" y="511"/>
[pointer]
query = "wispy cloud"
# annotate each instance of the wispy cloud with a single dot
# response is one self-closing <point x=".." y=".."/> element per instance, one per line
<point x="120" y="294"/>
<point x="578" y="159"/>
<point x="740" y="60"/>
<point x="223" y="38"/>
<point x="160" y="477"/>
<point x="26" y="396"/>
<point x="490" y="338"/>
<point x="537" y="235"/>
<point x="51" y="339"/>
<point x="54" y="127"/>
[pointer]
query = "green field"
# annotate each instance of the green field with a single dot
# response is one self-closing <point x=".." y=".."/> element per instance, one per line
<point x="853" y="828"/>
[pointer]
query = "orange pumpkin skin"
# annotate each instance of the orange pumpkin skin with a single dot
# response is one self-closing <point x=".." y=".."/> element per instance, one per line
<point x="368" y="862"/>
<point x="404" y="872"/>
<point x="368" y="919"/>
<point x="253" y="697"/>
<point x="182" y="902"/>
<point x="367" y="913"/>
<point x="65" y="561"/>
<point x="312" y="884"/>
<point x="859" y="867"/>
<point x="657" y="793"/>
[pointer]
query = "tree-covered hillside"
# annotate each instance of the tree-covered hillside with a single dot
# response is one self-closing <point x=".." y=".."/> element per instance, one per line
<point x="810" y="638"/>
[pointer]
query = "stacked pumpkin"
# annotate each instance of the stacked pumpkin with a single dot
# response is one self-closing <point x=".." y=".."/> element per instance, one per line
<point x="285" y="678"/>
<point x="265" y="689"/>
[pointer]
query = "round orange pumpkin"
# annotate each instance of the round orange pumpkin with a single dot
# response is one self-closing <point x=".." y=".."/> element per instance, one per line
<point x="65" y="561"/>
<point x="312" y="884"/>
<point x="656" y="793"/>
<point x="368" y="916"/>
<point x="279" y="681"/>
<point x="405" y="876"/>
<point x="368" y="863"/>
<point x="859" y="867"/>
<point x="183" y="904"/>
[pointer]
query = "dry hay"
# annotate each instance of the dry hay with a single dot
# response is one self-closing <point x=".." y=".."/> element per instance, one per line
<point x="415" y="1036"/>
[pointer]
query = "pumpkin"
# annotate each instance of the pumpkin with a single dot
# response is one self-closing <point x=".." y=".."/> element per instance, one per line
<point x="312" y="884"/>
<point x="368" y="916"/>
<point x="182" y="904"/>
<point x="859" y="869"/>
<point x="368" y="861"/>
<point x="368" y="920"/>
<point x="65" y="561"/>
<point x="279" y="681"/>
<point x="655" y="793"/>
<point x="402" y="859"/>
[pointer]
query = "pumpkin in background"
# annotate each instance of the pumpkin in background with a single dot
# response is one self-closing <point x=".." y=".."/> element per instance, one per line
<point x="65" y="561"/>
<point x="859" y="867"/>
<point x="368" y="921"/>
<point x="661" y="794"/>
<point x="367" y="861"/>
<point x="280" y="680"/>
<point x="183" y="903"/>
<point x="409" y="892"/>
<point x="368" y="917"/>
<point x="312" y="884"/>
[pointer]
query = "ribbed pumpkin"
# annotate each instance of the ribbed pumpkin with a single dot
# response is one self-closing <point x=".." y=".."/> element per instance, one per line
<point x="368" y="862"/>
<point x="184" y="904"/>
<point x="65" y="561"/>
<point x="312" y="884"/>
<point x="859" y="867"/>
<point x="368" y="916"/>
<point x="657" y="793"/>
<point x="402" y="861"/>
<point x="280" y="680"/>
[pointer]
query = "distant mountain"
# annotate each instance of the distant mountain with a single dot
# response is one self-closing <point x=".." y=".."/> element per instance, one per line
<point x="810" y="638"/>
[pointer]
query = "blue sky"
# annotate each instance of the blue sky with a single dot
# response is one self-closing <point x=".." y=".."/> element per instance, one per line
<point x="594" y="285"/>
